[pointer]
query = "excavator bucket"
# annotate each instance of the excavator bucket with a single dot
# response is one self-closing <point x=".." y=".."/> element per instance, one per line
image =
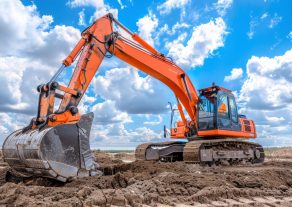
<point x="60" y="152"/>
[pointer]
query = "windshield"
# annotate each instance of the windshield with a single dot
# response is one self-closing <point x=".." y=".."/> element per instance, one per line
<point x="206" y="106"/>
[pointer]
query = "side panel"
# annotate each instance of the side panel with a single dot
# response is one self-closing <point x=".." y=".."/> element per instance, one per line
<point x="248" y="126"/>
<point x="226" y="133"/>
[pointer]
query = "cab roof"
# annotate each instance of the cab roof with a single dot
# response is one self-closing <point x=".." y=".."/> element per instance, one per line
<point x="213" y="89"/>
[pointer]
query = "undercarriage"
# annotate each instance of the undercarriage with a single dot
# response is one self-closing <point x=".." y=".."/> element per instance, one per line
<point x="204" y="152"/>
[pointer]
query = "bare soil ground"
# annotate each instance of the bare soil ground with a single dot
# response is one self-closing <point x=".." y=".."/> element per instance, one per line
<point x="134" y="183"/>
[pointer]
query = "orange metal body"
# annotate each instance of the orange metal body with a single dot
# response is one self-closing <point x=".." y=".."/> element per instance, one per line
<point x="96" y="41"/>
<point x="179" y="132"/>
<point x="63" y="118"/>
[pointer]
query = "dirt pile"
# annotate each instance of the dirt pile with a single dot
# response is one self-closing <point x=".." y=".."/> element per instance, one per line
<point x="153" y="184"/>
<point x="279" y="153"/>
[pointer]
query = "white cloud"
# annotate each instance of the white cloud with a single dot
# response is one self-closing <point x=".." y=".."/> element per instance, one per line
<point x="262" y="21"/>
<point x="121" y="4"/>
<point x="81" y="20"/>
<point x="266" y="95"/>
<point x="79" y="3"/>
<point x="32" y="36"/>
<point x="235" y="74"/>
<point x="264" y="15"/>
<point x="86" y="103"/>
<point x="109" y="129"/>
<point x="147" y="26"/>
<point x="131" y="92"/>
<point x="100" y="7"/>
<point x="180" y="28"/>
<point x="18" y="74"/>
<point x="155" y="122"/>
<point x="252" y="25"/>
<point x="204" y="40"/>
<point x="275" y="20"/>
<point x="222" y="6"/>
<point x="117" y="136"/>
<point x="11" y="122"/>
<point x="177" y="26"/>
<point x="107" y="113"/>
<point x="169" y="5"/>
<point x="36" y="49"/>
<point x="275" y="119"/>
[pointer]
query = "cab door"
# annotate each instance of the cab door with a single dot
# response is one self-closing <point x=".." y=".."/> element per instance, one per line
<point x="227" y="116"/>
<point x="233" y="113"/>
<point x="223" y="113"/>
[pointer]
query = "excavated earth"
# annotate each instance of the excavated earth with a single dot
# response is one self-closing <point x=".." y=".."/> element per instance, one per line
<point x="135" y="183"/>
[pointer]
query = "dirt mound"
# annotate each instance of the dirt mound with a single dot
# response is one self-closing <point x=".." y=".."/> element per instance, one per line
<point x="154" y="183"/>
<point x="276" y="153"/>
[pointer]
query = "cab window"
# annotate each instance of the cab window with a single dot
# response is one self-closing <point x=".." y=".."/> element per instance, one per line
<point x="233" y="110"/>
<point x="223" y="110"/>
<point x="206" y="107"/>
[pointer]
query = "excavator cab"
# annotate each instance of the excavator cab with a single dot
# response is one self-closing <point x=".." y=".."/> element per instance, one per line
<point x="217" y="109"/>
<point x="217" y="117"/>
<point x="218" y="113"/>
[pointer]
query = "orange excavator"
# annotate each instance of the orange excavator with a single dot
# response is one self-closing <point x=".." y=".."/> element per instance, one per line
<point x="56" y="142"/>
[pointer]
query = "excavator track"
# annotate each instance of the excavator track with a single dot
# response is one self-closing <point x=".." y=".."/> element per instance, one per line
<point x="163" y="151"/>
<point x="219" y="151"/>
<point x="204" y="152"/>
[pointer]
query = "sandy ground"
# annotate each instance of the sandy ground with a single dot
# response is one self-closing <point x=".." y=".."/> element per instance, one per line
<point x="132" y="183"/>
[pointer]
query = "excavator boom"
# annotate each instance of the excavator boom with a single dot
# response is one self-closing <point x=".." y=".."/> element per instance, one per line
<point x="56" y="142"/>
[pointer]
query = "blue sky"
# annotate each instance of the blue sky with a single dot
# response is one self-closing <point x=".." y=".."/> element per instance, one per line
<point x="241" y="45"/>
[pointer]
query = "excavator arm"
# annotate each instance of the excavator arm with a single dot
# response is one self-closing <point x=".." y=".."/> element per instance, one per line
<point x="56" y="143"/>
<point x="96" y="43"/>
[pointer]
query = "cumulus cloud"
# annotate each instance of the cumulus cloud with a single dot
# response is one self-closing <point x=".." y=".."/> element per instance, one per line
<point x="131" y="92"/>
<point x="109" y="128"/>
<point x="18" y="74"/>
<point x="82" y="3"/>
<point x="37" y="48"/>
<point x="117" y="136"/>
<point x="266" y="94"/>
<point x="155" y="122"/>
<point x="32" y="36"/>
<point x="204" y="40"/>
<point x="235" y="74"/>
<point x="147" y="26"/>
<point x="169" y="5"/>
<point x="177" y="26"/>
<point x="222" y="6"/>
<point x="100" y="7"/>
<point x="11" y="122"/>
<point x="107" y="113"/>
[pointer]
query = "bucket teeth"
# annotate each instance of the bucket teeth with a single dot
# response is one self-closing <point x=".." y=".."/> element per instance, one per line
<point x="61" y="152"/>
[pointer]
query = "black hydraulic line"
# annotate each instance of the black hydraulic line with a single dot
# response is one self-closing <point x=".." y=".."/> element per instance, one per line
<point x="183" y="76"/>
